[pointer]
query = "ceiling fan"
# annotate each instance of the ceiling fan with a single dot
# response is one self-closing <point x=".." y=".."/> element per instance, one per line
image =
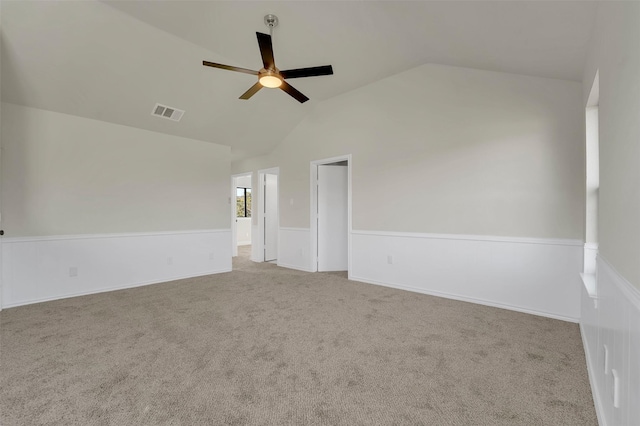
<point x="270" y="76"/>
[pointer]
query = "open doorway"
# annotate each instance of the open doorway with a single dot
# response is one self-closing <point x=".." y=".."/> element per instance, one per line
<point x="241" y="214"/>
<point x="331" y="214"/>
<point x="268" y="216"/>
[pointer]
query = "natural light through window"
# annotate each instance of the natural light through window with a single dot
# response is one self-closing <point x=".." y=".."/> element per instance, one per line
<point x="592" y="178"/>
<point x="243" y="202"/>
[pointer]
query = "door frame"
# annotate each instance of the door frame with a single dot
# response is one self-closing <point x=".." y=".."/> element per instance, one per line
<point x="234" y="217"/>
<point x="258" y="255"/>
<point x="313" y="183"/>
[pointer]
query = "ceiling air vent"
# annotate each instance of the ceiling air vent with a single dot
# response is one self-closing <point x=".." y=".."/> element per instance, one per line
<point x="167" y="112"/>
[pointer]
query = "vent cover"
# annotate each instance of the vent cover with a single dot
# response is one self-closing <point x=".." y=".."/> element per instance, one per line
<point x="170" y="113"/>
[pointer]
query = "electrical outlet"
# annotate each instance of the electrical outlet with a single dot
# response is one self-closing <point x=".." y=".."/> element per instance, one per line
<point x="211" y="256"/>
<point x="73" y="271"/>
<point x="169" y="260"/>
<point x="390" y="260"/>
<point x="300" y="253"/>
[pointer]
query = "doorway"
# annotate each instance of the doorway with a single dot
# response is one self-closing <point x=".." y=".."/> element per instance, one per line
<point x="241" y="213"/>
<point x="268" y="216"/>
<point x="331" y="214"/>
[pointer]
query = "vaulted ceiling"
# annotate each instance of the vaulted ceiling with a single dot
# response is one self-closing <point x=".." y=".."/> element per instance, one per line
<point x="113" y="60"/>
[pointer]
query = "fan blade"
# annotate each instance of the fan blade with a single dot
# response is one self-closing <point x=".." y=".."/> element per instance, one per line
<point x="266" y="50"/>
<point x="252" y="91"/>
<point x="229" y="67"/>
<point x="308" y="72"/>
<point x="293" y="92"/>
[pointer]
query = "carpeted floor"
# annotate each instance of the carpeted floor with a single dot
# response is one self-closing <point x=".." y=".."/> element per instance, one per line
<point x="264" y="345"/>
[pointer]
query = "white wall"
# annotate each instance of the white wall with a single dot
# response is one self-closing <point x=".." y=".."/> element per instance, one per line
<point x="67" y="175"/>
<point x="1" y="223"/>
<point x="91" y="206"/>
<point x="243" y="231"/>
<point x="37" y="269"/>
<point x="537" y="276"/>
<point x="490" y="155"/>
<point x="613" y="320"/>
<point x="616" y="54"/>
<point x="243" y="182"/>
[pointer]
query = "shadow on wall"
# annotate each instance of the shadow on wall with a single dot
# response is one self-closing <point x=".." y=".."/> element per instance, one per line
<point x="15" y="194"/>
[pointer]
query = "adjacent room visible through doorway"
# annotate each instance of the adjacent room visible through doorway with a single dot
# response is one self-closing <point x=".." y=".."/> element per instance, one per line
<point x="241" y="210"/>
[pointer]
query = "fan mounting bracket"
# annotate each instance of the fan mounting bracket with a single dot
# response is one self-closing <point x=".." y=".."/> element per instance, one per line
<point x="271" y="21"/>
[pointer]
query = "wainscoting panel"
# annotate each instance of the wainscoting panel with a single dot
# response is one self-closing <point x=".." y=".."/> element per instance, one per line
<point x="538" y="276"/>
<point x="37" y="269"/>
<point x="293" y="248"/>
<point x="610" y="326"/>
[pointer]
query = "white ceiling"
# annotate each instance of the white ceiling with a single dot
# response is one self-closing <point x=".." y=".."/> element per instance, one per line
<point x="113" y="61"/>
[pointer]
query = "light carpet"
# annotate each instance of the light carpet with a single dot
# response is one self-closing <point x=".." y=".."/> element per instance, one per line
<point x="264" y="345"/>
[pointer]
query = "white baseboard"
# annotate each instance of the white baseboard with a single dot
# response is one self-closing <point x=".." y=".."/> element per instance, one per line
<point x="465" y="299"/>
<point x="614" y="322"/>
<point x="529" y="275"/>
<point x="296" y="267"/>
<point x="37" y="269"/>
<point x="104" y="290"/>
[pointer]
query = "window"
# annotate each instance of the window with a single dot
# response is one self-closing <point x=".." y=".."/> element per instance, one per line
<point x="243" y="202"/>
<point x="593" y="175"/>
<point x="592" y="178"/>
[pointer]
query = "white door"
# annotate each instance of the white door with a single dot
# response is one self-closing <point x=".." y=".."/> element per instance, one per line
<point x="270" y="217"/>
<point x="332" y="218"/>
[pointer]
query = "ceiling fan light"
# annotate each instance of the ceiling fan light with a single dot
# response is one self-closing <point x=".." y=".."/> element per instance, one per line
<point x="270" y="81"/>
